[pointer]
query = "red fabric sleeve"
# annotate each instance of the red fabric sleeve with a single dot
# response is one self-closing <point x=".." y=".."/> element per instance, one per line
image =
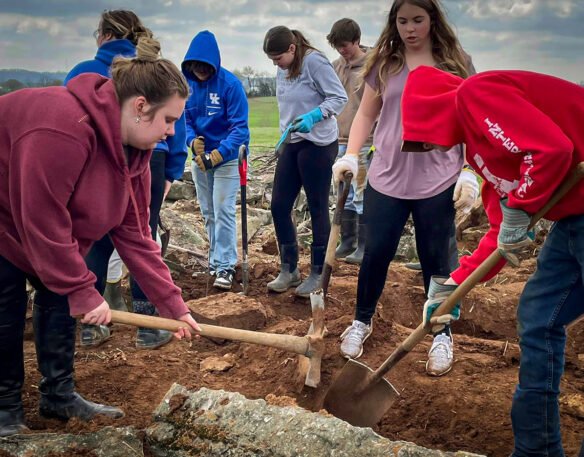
<point x="488" y="243"/>
<point x="44" y="168"/>
<point x="494" y="105"/>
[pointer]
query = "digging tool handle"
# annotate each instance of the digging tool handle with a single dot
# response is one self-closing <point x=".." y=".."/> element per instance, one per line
<point x="243" y="190"/>
<point x="342" y="194"/>
<point x="297" y="344"/>
<point x="448" y="305"/>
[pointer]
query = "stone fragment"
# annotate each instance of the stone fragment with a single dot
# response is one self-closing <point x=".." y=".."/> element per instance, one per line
<point x="218" y="363"/>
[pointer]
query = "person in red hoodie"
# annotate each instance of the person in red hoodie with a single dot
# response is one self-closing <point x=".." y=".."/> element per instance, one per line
<point x="524" y="134"/>
<point x="74" y="167"/>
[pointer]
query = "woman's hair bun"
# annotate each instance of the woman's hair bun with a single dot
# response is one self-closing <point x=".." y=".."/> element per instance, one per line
<point x="148" y="49"/>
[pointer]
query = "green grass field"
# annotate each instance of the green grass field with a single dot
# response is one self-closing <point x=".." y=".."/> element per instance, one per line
<point x="263" y="121"/>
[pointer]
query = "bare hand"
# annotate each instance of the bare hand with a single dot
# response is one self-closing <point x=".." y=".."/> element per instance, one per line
<point x="101" y="315"/>
<point x="185" y="331"/>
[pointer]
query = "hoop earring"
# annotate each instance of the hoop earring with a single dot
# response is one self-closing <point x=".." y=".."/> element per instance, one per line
<point x="138" y="119"/>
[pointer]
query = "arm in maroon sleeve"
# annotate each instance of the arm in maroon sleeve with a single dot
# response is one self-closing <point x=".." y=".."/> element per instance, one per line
<point x="488" y="243"/>
<point x="142" y="256"/>
<point x="44" y="168"/>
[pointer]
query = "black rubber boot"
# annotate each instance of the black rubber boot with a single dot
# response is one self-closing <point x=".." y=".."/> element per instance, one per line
<point x="289" y="275"/>
<point x="357" y="256"/>
<point x="348" y="233"/>
<point x="113" y="296"/>
<point x="312" y="283"/>
<point x="149" y="338"/>
<point x="54" y="332"/>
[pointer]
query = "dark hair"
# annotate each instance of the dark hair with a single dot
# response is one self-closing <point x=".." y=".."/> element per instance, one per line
<point x="278" y="40"/>
<point x="149" y="75"/>
<point x="122" y="24"/>
<point x="389" y="51"/>
<point x="344" y="30"/>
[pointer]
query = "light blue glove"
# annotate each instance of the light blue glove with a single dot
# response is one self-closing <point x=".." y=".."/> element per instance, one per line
<point x="305" y="122"/>
<point x="513" y="234"/>
<point x="437" y="293"/>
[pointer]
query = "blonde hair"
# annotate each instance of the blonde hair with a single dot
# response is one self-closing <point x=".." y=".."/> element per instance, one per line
<point x="389" y="51"/>
<point x="278" y="40"/>
<point x="122" y="24"/>
<point x="149" y="75"/>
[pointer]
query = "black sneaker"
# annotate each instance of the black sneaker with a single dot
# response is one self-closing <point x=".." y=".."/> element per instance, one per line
<point x="224" y="279"/>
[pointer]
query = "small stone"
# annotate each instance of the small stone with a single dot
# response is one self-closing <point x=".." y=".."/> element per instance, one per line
<point x="217" y="364"/>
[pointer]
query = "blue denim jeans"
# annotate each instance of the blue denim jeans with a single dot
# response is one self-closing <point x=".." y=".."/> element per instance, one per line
<point x="217" y="192"/>
<point x="355" y="201"/>
<point x="553" y="297"/>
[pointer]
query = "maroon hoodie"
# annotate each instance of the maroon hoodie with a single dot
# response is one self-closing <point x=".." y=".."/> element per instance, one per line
<point x="65" y="183"/>
<point x="523" y="133"/>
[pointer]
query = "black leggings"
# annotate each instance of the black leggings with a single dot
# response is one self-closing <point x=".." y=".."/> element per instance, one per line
<point x="98" y="258"/>
<point x="308" y="165"/>
<point x="385" y="220"/>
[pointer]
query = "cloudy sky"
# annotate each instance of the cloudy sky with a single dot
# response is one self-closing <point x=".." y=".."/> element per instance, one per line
<point x="53" y="35"/>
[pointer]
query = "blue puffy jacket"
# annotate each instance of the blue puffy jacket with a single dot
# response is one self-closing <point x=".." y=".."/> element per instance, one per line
<point x="175" y="147"/>
<point x="217" y="108"/>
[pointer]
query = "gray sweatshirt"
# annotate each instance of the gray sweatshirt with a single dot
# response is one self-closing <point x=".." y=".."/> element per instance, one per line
<point x="317" y="86"/>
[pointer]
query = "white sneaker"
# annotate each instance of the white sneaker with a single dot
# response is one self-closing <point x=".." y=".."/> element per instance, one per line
<point x="353" y="338"/>
<point x="440" y="356"/>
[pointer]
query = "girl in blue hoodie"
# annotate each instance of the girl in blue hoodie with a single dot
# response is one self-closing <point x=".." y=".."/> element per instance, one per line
<point x="217" y="125"/>
<point x="117" y="35"/>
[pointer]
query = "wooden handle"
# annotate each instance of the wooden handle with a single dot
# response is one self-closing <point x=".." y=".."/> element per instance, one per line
<point x="479" y="273"/>
<point x="296" y="344"/>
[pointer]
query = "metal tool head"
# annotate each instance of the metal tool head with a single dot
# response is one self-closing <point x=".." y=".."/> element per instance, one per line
<point x="355" y="400"/>
<point x="309" y="366"/>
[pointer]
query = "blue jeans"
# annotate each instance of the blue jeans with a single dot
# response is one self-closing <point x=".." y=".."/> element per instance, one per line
<point x="553" y="297"/>
<point x="354" y="201"/>
<point x="217" y="192"/>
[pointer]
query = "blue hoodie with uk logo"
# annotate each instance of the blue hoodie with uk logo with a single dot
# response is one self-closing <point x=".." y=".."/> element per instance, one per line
<point x="217" y="108"/>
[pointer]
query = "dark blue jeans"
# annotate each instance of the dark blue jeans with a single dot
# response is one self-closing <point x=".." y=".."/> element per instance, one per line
<point x="553" y="297"/>
<point x="385" y="220"/>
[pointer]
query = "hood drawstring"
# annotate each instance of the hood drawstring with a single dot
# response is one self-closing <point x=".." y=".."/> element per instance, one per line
<point x="134" y="204"/>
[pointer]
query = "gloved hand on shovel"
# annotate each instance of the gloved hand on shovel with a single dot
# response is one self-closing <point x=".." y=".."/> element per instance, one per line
<point x="466" y="191"/>
<point x="198" y="146"/>
<point x="437" y="293"/>
<point x="208" y="161"/>
<point x="513" y="234"/>
<point x="305" y="122"/>
<point x="350" y="162"/>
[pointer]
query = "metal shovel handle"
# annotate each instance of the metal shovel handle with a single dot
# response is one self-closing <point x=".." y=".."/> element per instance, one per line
<point x="459" y="293"/>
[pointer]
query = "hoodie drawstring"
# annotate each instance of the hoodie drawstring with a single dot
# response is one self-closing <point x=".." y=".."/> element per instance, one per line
<point x="134" y="204"/>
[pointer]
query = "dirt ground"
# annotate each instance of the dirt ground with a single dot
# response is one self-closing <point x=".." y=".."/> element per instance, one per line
<point x="466" y="410"/>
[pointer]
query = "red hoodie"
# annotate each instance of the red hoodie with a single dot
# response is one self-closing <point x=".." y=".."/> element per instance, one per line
<point x="523" y="133"/>
<point x="65" y="183"/>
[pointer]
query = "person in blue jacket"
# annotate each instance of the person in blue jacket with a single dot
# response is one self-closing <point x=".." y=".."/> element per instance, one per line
<point x="217" y="125"/>
<point x="117" y="35"/>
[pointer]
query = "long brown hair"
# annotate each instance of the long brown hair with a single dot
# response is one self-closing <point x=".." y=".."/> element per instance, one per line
<point x="122" y="24"/>
<point x="278" y="40"/>
<point x="147" y="74"/>
<point x="389" y="51"/>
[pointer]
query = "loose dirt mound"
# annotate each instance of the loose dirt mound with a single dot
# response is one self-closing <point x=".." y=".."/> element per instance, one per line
<point x="466" y="410"/>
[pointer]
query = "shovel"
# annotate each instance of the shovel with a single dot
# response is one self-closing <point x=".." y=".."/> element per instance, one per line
<point x="362" y="396"/>
<point x="243" y="187"/>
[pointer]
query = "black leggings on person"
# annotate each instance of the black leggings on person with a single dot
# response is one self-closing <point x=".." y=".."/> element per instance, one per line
<point x="98" y="258"/>
<point x="303" y="164"/>
<point x="385" y="219"/>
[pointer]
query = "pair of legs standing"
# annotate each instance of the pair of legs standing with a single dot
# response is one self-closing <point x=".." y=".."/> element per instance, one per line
<point x="217" y="194"/>
<point x="54" y="333"/>
<point x="307" y="165"/>
<point x="386" y="217"/>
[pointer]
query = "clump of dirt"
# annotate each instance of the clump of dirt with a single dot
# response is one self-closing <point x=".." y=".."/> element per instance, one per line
<point x="466" y="410"/>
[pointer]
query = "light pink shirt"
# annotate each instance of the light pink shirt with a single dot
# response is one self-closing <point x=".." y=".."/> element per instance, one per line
<point x="407" y="175"/>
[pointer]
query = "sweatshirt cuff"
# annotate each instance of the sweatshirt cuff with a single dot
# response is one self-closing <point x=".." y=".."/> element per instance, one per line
<point x="84" y="300"/>
<point x="173" y="307"/>
<point x="460" y="274"/>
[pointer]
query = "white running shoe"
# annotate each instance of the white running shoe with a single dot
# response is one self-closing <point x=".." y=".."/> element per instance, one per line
<point x="353" y="338"/>
<point x="441" y="355"/>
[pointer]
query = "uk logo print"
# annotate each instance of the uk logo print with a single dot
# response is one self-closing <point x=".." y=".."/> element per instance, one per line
<point x="214" y="98"/>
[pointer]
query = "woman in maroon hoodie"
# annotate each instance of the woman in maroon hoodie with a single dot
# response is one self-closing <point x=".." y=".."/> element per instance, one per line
<point x="524" y="131"/>
<point x="74" y="167"/>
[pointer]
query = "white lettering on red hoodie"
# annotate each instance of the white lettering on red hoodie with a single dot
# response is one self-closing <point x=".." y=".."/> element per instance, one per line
<point x="524" y="132"/>
<point x="65" y="183"/>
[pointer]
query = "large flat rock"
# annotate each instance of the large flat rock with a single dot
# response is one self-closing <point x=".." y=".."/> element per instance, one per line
<point x="219" y="423"/>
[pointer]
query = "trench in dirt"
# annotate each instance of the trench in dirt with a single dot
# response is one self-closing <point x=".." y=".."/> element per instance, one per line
<point x="466" y="410"/>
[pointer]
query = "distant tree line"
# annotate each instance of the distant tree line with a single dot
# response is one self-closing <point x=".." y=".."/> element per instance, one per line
<point x="256" y="83"/>
<point x="14" y="84"/>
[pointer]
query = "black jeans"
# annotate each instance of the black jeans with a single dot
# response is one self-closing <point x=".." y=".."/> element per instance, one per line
<point x="98" y="258"/>
<point x="385" y="219"/>
<point x="47" y="304"/>
<point x="308" y="165"/>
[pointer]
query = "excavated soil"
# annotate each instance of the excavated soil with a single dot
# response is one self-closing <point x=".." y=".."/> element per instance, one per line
<point x="466" y="410"/>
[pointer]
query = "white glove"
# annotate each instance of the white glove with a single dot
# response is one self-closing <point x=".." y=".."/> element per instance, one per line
<point x="349" y="162"/>
<point x="466" y="191"/>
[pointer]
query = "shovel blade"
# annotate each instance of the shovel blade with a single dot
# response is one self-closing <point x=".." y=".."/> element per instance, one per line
<point x="355" y="399"/>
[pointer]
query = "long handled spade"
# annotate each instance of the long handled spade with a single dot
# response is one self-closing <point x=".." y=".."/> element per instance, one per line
<point x="362" y="396"/>
<point x="243" y="192"/>
<point x="310" y="346"/>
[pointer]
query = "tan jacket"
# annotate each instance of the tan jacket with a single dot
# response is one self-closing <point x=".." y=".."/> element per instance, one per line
<point x="348" y="73"/>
